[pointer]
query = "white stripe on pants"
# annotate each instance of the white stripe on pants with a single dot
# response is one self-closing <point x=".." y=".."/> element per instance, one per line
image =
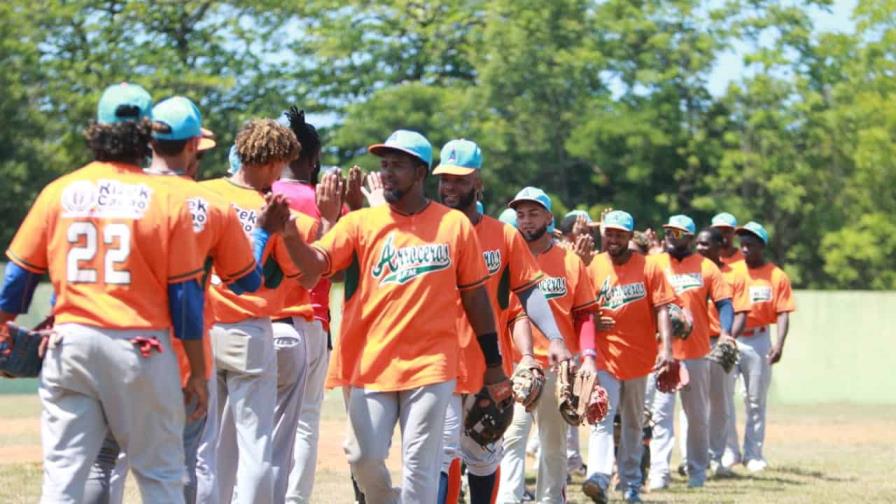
<point x="96" y="380"/>
<point x="420" y="412"/>
<point x="756" y="372"/>
<point x="694" y="402"/>
<point x="289" y="345"/>
<point x="301" y="478"/>
<point x="247" y="391"/>
<point x="626" y="396"/>
<point x="550" y="483"/>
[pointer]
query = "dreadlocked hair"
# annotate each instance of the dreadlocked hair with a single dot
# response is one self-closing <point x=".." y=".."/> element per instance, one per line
<point x="124" y="142"/>
<point x="305" y="132"/>
<point x="263" y="141"/>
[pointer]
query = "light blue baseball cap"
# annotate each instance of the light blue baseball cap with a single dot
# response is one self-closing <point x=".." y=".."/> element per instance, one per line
<point x="724" y="220"/>
<point x="409" y="142"/>
<point x="576" y="213"/>
<point x="234" y="158"/>
<point x="480" y="207"/>
<point x="459" y="157"/>
<point x="508" y="216"/>
<point x="533" y="194"/>
<point x="754" y="228"/>
<point x="181" y="117"/>
<point x="123" y="102"/>
<point x="682" y="222"/>
<point x="618" y="219"/>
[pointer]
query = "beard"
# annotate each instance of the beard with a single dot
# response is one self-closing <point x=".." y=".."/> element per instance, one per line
<point x="531" y="236"/>
<point x="464" y="200"/>
<point x="394" y="195"/>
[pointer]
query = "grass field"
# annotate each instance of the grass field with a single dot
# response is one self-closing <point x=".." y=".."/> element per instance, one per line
<point x="834" y="453"/>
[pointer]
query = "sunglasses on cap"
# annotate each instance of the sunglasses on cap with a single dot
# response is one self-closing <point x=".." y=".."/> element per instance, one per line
<point x="676" y="233"/>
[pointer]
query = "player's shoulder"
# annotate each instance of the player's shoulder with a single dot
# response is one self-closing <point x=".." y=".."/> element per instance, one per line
<point x="708" y="266"/>
<point x="777" y="273"/>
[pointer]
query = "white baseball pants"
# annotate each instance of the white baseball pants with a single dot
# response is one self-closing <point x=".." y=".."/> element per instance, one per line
<point x="627" y="397"/>
<point x="756" y="372"/>
<point x="289" y="344"/>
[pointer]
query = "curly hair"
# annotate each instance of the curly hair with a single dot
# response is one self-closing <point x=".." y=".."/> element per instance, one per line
<point x="263" y="141"/>
<point x="122" y="142"/>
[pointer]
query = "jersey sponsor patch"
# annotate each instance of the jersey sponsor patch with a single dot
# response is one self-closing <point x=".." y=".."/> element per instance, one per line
<point x="682" y="282"/>
<point x="553" y="287"/>
<point x="199" y="212"/>
<point x="760" y="293"/>
<point x="401" y="265"/>
<point x="109" y="199"/>
<point x="492" y="261"/>
<point x="617" y="296"/>
<point x="247" y="217"/>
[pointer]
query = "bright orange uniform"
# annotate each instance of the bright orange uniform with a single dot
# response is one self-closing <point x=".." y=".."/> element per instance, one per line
<point x="735" y="257"/>
<point x="769" y="292"/>
<point x="738" y="298"/>
<point x="112" y="238"/>
<point x="511" y="268"/>
<point x="228" y="307"/>
<point x="695" y="279"/>
<point x="631" y="293"/>
<point x="404" y="274"/>
<point x="569" y="291"/>
<point x="296" y="299"/>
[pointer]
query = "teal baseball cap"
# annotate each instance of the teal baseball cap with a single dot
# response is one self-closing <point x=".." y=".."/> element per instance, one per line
<point x="508" y="216"/>
<point x="576" y="214"/>
<point x="179" y="119"/>
<point x="724" y="220"/>
<point x="533" y="194"/>
<point x="123" y="102"/>
<point x="756" y="229"/>
<point x="682" y="222"/>
<point x="409" y="142"/>
<point x="233" y="157"/>
<point x="618" y="219"/>
<point x="459" y="157"/>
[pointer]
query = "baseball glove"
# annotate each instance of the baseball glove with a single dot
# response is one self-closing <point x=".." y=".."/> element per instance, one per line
<point x="20" y="352"/>
<point x="566" y="397"/>
<point x="682" y="321"/>
<point x="593" y="401"/>
<point x="673" y="378"/>
<point x="725" y="354"/>
<point x="489" y="413"/>
<point x="527" y="382"/>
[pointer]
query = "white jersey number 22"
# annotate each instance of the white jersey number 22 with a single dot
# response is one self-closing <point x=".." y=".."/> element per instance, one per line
<point x="83" y="237"/>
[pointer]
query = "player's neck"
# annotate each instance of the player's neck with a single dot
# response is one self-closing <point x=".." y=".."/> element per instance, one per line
<point x="622" y="258"/>
<point x="297" y="173"/>
<point x="680" y="255"/>
<point x="166" y="166"/>
<point x="472" y="213"/>
<point x="728" y="251"/>
<point x="541" y="245"/>
<point x="244" y="178"/>
<point x="411" y="203"/>
<point x="755" y="263"/>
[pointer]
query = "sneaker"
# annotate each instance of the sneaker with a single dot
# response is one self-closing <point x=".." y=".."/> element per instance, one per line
<point x="631" y="495"/>
<point x="528" y="496"/>
<point x="695" y="483"/>
<point x="720" y="471"/>
<point x="655" y="485"/>
<point x="730" y="460"/>
<point x="756" y="466"/>
<point x="591" y="487"/>
<point x="683" y="470"/>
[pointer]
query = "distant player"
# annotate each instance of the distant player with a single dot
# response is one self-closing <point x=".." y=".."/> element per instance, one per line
<point x="571" y="297"/>
<point x="726" y="224"/>
<point x="408" y="263"/>
<point x="635" y="293"/>
<point x="511" y="270"/>
<point x="771" y="302"/>
<point x="121" y="252"/>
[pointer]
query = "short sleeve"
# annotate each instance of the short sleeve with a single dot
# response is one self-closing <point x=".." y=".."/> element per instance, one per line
<point x="185" y="257"/>
<point x="340" y="243"/>
<point x="524" y="271"/>
<point x="740" y="295"/>
<point x="659" y="291"/>
<point x="718" y="288"/>
<point x="783" y="294"/>
<point x="29" y="246"/>
<point x="232" y="258"/>
<point x="471" y="270"/>
<point x="584" y="297"/>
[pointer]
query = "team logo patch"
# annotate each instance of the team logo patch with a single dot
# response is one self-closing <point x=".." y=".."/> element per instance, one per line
<point x="105" y="199"/>
<point x="760" y="294"/>
<point x="199" y="212"/>
<point x="247" y="217"/>
<point x="682" y="282"/>
<point x="617" y="296"/>
<point x="553" y="287"/>
<point x="492" y="261"/>
<point x="401" y="265"/>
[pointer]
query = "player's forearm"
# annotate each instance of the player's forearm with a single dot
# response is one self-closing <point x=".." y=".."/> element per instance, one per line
<point x="309" y="260"/>
<point x="783" y="326"/>
<point x="539" y="312"/>
<point x="726" y="315"/>
<point x="195" y="356"/>
<point x="665" y="328"/>
<point x="585" y="328"/>
<point x="186" y="302"/>
<point x="18" y="290"/>
<point x="740" y="321"/>
<point x="521" y="334"/>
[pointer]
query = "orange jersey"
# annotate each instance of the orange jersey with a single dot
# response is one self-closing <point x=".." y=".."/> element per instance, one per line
<point x="631" y="292"/>
<point x="297" y="299"/>
<point x="769" y="293"/>
<point x="733" y="258"/>
<point x="567" y="287"/>
<point x="228" y="307"/>
<point x="112" y="238"/>
<point x="511" y="268"/>
<point x="695" y="279"/>
<point x="738" y="298"/>
<point x="403" y="281"/>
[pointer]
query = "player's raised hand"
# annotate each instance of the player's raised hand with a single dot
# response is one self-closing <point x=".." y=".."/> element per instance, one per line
<point x="584" y="247"/>
<point x="274" y="213"/>
<point x="354" y="194"/>
<point x="374" y="190"/>
<point x="580" y="226"/>
<point x="329" y="196"/>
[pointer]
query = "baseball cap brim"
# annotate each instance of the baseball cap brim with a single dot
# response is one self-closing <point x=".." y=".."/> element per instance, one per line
<point x="680" y="228"/>
<point x="722" y="225"/>
<point x="453" y="170"/>
<point x="517" y="201"/>
<point x="743" y="230"/>
<point x="207" y="140"/>
<point x="619" y="227"/>
<point x="383" y="149"/>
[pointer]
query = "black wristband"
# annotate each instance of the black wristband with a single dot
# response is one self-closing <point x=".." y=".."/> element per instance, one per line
<point x="488" y="342"/>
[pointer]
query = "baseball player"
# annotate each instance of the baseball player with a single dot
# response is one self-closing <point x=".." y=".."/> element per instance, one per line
<point x="571" y="297"/>
<point x="242" y="334"/>
<point x="635" y="294"/>
<point x="511" y="268"/>
<point x="726" y="224"/>
<point x="120" y="250"/>
<point x="695" y="279"/>
<point x="408" y="265"/>
<point x="771" y="302"/>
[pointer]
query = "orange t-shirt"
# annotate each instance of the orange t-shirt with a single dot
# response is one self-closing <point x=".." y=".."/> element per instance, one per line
<point x="568" y="289"/>
<point x="769" y="293"/>
<point x="297" y="299"/>
<point x="631" y="292"/>
<point x="228" y="307"/>
<point x="112" y="238"/>
<point x="403" y="281"/>
<point x="511" y="268"/>
<point x="733" y="258"/>
<point x="695" y="280"/>
<point x="738" y="298"/>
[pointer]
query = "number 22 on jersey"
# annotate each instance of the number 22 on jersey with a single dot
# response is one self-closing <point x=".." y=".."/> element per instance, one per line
<point x="81" y="261"/>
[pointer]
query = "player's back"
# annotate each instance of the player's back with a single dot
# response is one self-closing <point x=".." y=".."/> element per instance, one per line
<point x="106" y="235"/>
